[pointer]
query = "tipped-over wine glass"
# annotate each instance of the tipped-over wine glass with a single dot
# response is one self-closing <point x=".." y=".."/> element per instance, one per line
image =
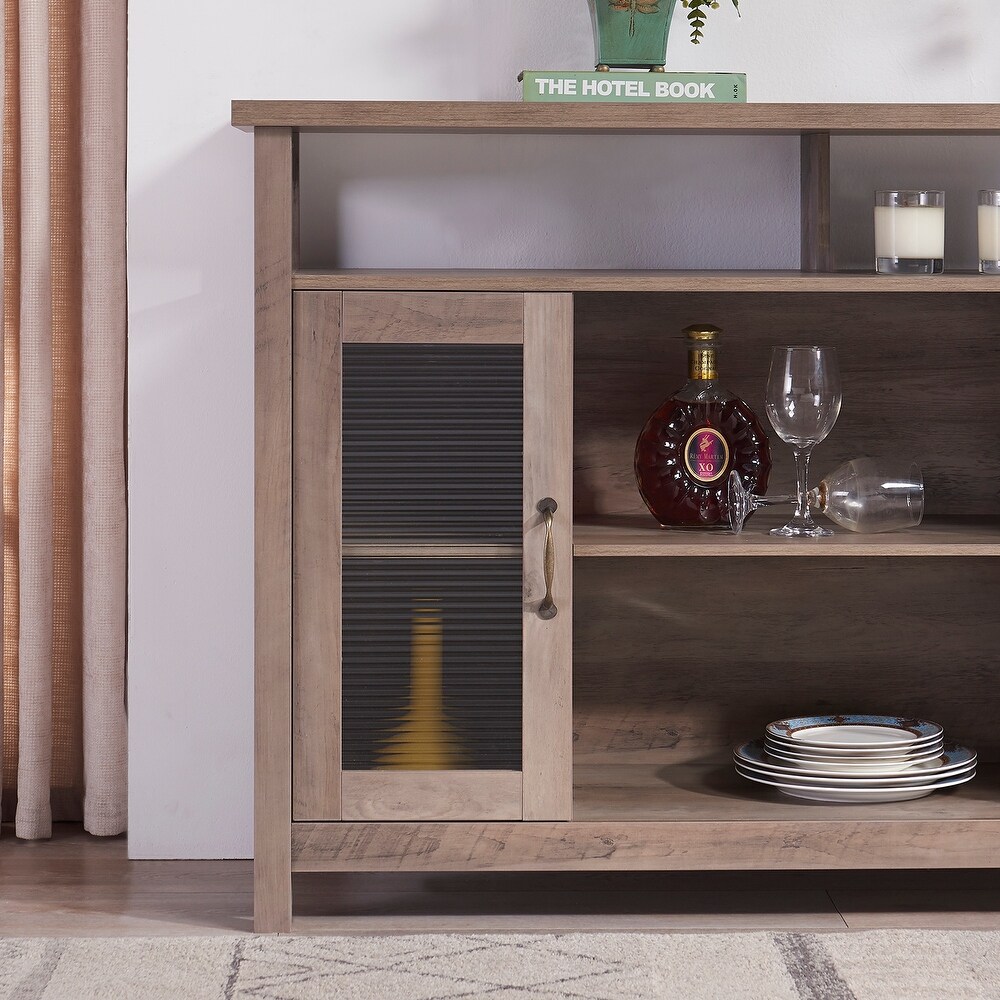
<point x="803" y="403"/>
<point x="866" y="495"/>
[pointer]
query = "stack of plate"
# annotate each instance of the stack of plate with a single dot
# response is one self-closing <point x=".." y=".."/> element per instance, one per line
<point x="855" y="758"/>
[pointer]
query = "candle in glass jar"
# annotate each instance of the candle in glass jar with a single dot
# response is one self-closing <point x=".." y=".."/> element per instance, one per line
<point x="909" y="232"/>
<point x="989" y="232"/>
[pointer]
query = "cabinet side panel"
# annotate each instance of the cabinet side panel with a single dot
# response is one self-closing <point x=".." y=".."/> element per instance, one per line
<point x="548" y="472"/>
<point x="815" y="172"/>
<point x="316" y="583"/>
<point x="272" y="528"/>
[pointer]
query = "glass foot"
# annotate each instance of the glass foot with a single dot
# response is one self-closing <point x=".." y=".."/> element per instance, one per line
<point x="793" y="530"/>
<point x="909" y="265"/>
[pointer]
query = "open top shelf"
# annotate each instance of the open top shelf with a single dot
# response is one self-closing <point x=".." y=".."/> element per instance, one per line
<point x="640" y="536"/>
<point x="517" y="117"/>
<point x="471" y="280"/>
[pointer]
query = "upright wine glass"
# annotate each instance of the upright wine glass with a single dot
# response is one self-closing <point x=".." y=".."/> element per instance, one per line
<point x="803" y="403"/>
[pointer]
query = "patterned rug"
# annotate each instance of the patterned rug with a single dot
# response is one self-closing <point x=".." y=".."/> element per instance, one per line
<point x="869" y="965"/>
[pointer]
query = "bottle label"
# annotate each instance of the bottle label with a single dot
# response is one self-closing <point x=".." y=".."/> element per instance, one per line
<point x="706" y="455"/>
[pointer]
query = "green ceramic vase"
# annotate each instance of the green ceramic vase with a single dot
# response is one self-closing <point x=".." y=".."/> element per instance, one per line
<point x="631" y="34"/>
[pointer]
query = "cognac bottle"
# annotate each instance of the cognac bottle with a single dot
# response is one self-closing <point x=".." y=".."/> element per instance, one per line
<point x="694" y="440"/>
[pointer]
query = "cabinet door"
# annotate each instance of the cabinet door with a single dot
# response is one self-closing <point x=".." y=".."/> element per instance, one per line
<point x="431" y="657"/>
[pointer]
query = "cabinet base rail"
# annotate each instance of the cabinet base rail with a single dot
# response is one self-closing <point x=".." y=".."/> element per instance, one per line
<point x="648" y="846"/>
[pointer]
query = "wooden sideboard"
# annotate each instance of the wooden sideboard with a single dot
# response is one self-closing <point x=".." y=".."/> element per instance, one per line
<point x="610" y="744"/>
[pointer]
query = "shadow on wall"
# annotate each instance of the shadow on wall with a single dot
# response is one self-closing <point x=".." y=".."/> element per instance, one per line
<point x="191" y="498"/>
<point x="636" y="202"/>
<point x="549" y="201"/>
<point x="538" y="201"/>
<point x="959" y="166"/>
<point x="487" y="44"/>
<point x="949" y="42"/>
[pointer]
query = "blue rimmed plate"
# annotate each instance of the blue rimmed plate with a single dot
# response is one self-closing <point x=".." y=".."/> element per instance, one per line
<point x="792" y="749"/>
<point x="854" y="732"/>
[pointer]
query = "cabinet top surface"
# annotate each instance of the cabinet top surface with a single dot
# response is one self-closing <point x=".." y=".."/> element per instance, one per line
<point x="514" y="117"/>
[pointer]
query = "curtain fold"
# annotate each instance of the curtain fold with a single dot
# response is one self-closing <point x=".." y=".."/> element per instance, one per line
<point x="63" y="745"/>
<point x="105" y="738"/>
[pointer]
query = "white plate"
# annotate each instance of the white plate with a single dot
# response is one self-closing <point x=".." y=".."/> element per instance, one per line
<point x="834" y="753"/>
<point x="954" y="757"/>
<point x="925" y="776"/>
<point x="871" y="732"/>
<point x="819" y="794"/>
<point x="849" y="765"/>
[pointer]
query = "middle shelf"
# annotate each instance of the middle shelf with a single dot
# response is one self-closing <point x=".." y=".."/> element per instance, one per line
<point x="584" y="280"/>
<point x="637" y="535"/>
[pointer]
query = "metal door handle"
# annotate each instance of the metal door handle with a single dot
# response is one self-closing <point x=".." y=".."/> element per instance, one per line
<point x="547" y="609"/>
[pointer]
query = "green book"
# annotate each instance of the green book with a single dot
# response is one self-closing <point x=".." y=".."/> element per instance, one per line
<point x="562" y="87"/>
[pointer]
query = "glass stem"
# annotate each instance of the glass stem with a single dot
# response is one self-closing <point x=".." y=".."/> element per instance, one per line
<point x="774" y="501"/>
<point x="802" y="515"/>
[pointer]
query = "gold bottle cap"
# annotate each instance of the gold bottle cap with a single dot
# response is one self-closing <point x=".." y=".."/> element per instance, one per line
<point x="702" y="339"/>
<point x="702" y="331"/>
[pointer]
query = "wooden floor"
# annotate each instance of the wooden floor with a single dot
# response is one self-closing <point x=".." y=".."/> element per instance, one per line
<point x="77" y="885"/>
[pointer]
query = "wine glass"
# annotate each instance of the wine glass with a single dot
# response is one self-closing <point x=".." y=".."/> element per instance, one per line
<point x="803" y="403"/>
<point x="866" y="495"/>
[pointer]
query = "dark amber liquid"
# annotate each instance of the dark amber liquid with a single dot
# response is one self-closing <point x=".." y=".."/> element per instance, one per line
<point x="675" y="497"/>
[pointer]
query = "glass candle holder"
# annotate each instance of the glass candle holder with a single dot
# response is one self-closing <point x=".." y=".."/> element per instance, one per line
<point x="909" y="232"/>
<point x="989" y="232"/>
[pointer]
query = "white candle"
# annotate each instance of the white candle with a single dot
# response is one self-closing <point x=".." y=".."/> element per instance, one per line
<point x="911" y="232"/>
<point x="989" y="232"/>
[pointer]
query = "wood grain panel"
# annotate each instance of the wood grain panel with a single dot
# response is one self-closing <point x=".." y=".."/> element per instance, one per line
<point x="623" y="846"/>
<point x="432" y="318"/>
<point x="676" y="661"/>
<point x="815" y="174"/>
<point x="272" y="528"/>
<point x="316" y="585"/>
<point x="548" y="472"/>
<point x="914" y="368"/>
<point x="595" y="280"/>
<point x="432" y="795"/>
<point x="513" y="116"/>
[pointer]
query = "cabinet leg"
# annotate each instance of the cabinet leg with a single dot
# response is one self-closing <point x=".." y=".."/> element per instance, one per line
<point x="274" y="170"/>
<point x="272" y="900"/>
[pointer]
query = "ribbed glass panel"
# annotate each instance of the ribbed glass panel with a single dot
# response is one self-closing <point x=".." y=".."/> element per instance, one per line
<point x="432" y="663"/>
<point x="432" y="443"/>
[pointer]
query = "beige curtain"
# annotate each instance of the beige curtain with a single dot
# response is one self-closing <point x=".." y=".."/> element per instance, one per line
<point x="63" y="747"/>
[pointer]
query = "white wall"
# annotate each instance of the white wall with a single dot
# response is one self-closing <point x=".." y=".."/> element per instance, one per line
<point x="397" y="201"/>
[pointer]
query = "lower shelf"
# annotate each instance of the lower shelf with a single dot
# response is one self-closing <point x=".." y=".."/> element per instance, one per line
<point x="678" y="819"/>
<point x="639" y="535"/>
<point x="715" y="793"/>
